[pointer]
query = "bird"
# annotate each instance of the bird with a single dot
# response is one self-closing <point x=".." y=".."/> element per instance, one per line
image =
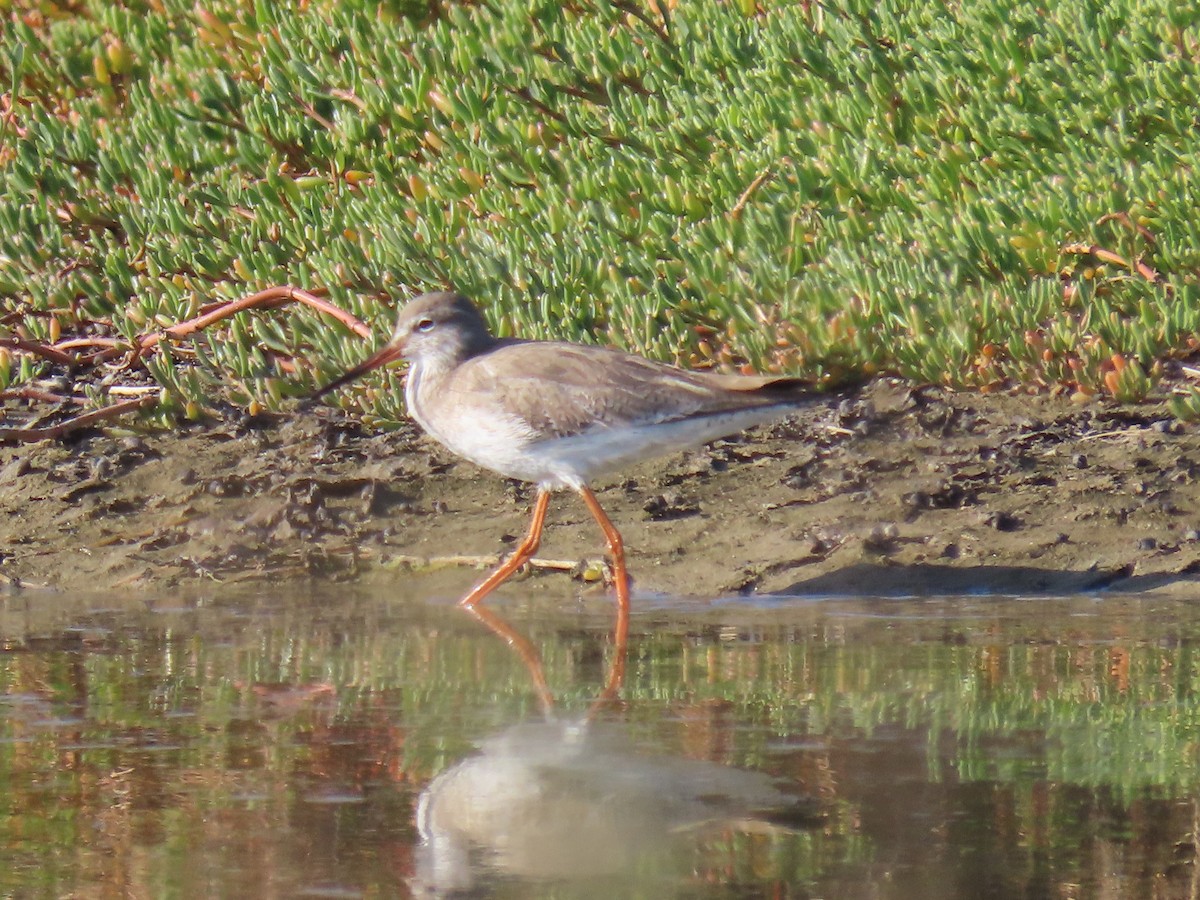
<point x="559" y="414"/>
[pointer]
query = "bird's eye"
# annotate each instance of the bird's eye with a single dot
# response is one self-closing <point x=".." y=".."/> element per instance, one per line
<point x="424" y="324"/>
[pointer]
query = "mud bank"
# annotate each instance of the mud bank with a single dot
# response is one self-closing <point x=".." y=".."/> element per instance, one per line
<point x="888" y="492"/>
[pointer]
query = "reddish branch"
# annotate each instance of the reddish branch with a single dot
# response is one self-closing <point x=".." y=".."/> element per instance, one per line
<point x="270" y="298"/>
<point x="31" y="393"/>
<point x="112" y="347"/>
<point x="38" y="349"/>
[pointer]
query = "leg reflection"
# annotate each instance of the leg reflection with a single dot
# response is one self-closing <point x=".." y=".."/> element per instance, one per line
<point x="533" y="661"/>
<point x="525" y="650"/>
<point x="616" y="672"/>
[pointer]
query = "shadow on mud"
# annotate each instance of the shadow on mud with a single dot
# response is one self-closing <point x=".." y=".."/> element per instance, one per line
<point x="934" y="580"/>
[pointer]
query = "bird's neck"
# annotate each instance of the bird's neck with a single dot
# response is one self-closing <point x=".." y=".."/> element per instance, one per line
<point x="428" y="371"/>
<point x="425" y="375"/>
<point x="436" y="366"/>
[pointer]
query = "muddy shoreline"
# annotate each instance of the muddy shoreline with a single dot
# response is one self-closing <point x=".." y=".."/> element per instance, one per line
<point x="889" y="492"/>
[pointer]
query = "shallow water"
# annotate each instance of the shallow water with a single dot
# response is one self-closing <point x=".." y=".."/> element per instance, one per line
<point x="303" y="742"/>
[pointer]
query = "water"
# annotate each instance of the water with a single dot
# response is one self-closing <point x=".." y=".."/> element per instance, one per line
<point x="334" y="743"/>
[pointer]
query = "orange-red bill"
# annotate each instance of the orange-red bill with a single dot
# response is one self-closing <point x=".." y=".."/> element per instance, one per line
<point x="381" y="357"/>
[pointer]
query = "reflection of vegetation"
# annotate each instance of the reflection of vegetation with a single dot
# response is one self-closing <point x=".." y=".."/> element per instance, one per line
<point x="146" y="753"/>
<point x="1124" y="714"/>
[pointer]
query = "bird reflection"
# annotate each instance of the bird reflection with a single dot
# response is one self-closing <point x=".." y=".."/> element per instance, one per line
<point x="580" y="798"/>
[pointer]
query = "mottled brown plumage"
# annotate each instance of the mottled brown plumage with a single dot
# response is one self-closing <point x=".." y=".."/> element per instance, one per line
<point x="562" y="390"/>
<point x="559" y="414"/>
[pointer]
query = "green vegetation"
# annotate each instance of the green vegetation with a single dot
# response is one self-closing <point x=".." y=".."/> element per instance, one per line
<point x="996" y="192"/>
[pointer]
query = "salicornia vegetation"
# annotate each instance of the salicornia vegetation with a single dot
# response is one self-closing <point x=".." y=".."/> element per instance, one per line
<point x="979" y="195"/>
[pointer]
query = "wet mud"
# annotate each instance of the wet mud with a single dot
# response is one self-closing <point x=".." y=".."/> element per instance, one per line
<point x="888" y="492"/>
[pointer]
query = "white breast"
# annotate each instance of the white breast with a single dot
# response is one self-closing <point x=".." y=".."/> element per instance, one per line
<point x="485" y="436"/>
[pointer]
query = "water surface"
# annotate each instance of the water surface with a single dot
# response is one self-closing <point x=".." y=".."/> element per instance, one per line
<point x="297" y="741"/>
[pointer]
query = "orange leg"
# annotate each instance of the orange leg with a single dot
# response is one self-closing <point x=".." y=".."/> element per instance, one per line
<point x="616" y="548"/>
<point x="520" y="556"/>
<point x="521" y="644"/>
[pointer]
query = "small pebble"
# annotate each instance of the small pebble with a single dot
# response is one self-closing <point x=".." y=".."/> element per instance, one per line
<point x="1003" y="521"/>
<point x="368" y="497"/>
<point x="15" y="469"/>
<point x="1147" y="543"/>
<point x="881" y="536"/>
<point x="819" y="546"/>
<point x="918" y="500"/>
<point x="1080" y="460"/>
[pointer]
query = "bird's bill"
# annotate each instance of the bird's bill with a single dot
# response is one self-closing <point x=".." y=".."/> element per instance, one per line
<point x="381" y="357"/>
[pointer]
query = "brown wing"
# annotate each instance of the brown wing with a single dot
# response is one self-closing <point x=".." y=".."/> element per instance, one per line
<point x="562" y="389"/>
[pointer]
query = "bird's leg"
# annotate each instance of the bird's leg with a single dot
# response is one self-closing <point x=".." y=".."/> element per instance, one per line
<point x="616" y="550"/>
<point x="520" y="556"/>
<point x="616" y="547"/>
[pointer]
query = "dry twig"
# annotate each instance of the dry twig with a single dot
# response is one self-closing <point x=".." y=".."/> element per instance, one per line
<point x="1141" y="268"/>
<point x="77" y="422"/>
<point x="763" y="177"/>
